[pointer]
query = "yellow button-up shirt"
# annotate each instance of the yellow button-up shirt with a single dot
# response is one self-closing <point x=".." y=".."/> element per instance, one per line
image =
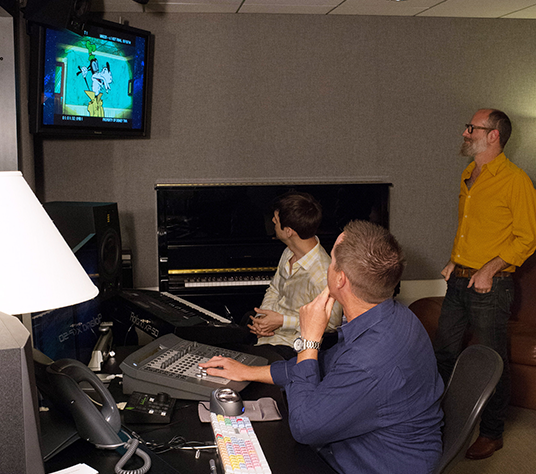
<point x="496" y="217"/>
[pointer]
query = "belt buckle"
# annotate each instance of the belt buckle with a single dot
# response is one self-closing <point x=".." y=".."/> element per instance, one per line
<point x="463" y="272"/>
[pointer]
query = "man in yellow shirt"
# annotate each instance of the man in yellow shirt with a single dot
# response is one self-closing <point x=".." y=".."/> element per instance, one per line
<point x="496" y="233"/>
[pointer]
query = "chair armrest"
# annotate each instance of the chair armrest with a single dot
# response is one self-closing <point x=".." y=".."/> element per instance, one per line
<point x="428" y="311"/>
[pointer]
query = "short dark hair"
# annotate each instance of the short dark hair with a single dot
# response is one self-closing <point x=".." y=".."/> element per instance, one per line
<point x="299" y="211"/>
<point x="500" y="121"/>
<point x="371" y="259"/>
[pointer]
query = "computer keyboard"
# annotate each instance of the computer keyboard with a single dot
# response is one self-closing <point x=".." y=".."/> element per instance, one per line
<point x="238" y="446"/>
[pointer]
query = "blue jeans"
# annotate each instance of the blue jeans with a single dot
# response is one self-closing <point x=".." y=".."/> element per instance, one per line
<point x="487" y="315"/>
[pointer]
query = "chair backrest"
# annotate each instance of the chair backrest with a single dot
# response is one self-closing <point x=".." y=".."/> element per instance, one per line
<point x="473" y="381"/>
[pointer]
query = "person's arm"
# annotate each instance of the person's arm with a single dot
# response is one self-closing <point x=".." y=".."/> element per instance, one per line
<point x="446" y="272"/>
<point x="319" y="281"/>
<point x="265" y="324"/>
<point x="341" y="405"/>
<point x="271" y="297"/>
<point x="270" y="320"/>
<point x="523" y="209"/>
<point x="482" y="280"/>
<point x="314" y="318"/>
<point x="231" y="369"/>
<point x="318" y="411"/>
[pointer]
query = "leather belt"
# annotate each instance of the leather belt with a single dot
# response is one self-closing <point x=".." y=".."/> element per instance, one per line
<point x="466" y="272"/>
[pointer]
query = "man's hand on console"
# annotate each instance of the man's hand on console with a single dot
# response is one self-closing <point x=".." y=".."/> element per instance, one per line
<point x="231" y="369"/>
<point x="265" y="325"/>
<point x="220" y="366"/>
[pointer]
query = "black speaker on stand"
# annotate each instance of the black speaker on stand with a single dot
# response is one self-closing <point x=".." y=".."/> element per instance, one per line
<point x="69" y="14"/>
<point x="91" y="229"/>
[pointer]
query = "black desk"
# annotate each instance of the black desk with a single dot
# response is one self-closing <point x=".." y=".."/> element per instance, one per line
<point x="283" y="453"/>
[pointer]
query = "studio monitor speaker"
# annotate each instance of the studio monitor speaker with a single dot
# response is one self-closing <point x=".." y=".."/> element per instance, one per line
<point x="70" y="14"/>
<point x="92" y="231"/>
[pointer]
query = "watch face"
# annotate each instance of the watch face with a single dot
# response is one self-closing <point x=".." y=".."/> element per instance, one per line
<point x="298" y="344"/>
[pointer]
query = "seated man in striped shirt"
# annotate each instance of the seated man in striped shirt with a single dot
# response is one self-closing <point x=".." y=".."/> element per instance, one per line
<point x="300" y="277"/>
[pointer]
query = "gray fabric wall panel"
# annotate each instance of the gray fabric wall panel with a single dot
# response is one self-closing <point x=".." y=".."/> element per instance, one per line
<point x="238" y="97"/>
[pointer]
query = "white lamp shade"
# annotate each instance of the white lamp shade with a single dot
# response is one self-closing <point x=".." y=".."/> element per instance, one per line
<point x="38" y="270"/>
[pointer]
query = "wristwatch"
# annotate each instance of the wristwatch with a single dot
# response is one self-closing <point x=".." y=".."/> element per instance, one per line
<point x="301" y="344"/>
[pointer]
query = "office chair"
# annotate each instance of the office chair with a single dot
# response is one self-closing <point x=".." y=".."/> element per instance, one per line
<point x="471" y="384"/>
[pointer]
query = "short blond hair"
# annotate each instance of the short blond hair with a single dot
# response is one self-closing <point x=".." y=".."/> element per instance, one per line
<point x="371" y="259"/>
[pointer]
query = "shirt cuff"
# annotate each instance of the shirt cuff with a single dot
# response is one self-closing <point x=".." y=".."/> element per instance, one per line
<point x="290" y="322"/>
<point x="279" y="370"/>
<point x="286" y="372"/>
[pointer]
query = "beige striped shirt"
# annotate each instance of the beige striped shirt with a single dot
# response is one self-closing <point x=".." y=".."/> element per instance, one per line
<point x="290" y="289"/>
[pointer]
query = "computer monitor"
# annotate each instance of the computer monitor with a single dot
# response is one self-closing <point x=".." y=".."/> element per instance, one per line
<point x="90" y="85"/>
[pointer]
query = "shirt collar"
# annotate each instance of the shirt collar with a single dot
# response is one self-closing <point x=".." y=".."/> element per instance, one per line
<point x="496" y="164"/>
<point x="493" y="166"/>
<point x="352" y="330"/>
<point x="309" y="258"/>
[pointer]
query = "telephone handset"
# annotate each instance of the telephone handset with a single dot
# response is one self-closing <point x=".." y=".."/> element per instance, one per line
<point x="99" y="427"/>
<point x="60" y="382"/>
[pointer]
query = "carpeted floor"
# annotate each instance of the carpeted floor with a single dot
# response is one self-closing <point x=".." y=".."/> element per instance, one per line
<point x="518" y="456"/>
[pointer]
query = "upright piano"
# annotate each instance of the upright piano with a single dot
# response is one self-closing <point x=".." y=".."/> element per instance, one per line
<point x="216" y="241"/>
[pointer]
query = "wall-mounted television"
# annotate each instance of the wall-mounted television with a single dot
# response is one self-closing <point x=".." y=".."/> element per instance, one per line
<point x="93" y="84"/>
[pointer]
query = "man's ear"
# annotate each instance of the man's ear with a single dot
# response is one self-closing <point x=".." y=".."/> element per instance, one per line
<point x="494" y="136"/>
<point x="341" y="279"/>
<point x="289" y="232"/>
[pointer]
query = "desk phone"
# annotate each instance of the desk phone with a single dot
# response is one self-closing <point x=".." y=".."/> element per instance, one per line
<point x="170" y="364"/>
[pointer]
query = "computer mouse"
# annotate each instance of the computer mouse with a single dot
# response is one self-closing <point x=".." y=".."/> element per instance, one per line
<point x="227" y="402"/>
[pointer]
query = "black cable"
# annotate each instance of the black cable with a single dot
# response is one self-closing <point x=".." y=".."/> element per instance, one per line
<point x="177" y="442"/>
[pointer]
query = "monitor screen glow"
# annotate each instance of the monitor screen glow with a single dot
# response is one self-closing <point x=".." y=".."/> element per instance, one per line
<point x="91" y="84"/>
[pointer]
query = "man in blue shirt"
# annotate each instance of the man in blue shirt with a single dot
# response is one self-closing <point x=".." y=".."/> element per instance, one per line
<point x="371" y="403"/>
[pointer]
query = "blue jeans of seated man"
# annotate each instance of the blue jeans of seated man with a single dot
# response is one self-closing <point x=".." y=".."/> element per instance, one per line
<point x="487" y="315"/>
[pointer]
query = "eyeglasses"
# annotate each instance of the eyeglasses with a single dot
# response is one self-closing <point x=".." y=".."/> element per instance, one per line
<point x="470" y="127"/>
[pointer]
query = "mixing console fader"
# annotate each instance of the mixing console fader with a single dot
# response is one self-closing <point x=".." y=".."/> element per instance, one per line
<point x="170" y="364"/>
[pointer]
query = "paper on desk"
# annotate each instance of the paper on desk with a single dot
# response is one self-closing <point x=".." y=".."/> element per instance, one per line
<point x="263" y="409"/>
<point x="78" y="469"/>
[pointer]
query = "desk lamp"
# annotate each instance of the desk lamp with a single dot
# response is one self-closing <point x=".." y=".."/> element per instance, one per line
<point x="38" y="272"/>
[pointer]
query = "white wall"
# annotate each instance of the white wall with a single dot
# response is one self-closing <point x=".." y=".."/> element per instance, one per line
<point x="412" y="290"/>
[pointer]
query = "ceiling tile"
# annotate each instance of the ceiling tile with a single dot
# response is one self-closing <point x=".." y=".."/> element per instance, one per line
<point x="292" y="3"/>
<point x="477" y="8"/>
<point x="290" y="9"/>
<point x="529" y="13"/>
<point x="383" y="7"/>
<point x="428" y="8"/>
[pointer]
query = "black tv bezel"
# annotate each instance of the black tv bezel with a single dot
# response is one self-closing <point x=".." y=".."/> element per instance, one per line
<point x="36" y="88"/>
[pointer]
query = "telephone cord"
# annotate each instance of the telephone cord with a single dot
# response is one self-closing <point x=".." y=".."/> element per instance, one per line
<point x="132" y="448"/>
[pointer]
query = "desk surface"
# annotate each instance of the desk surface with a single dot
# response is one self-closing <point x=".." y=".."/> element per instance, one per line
<point x="283" y="453"/>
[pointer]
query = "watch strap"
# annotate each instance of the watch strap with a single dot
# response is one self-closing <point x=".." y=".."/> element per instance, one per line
<point x="300" y="344"/>
<point x="311" y="344"/>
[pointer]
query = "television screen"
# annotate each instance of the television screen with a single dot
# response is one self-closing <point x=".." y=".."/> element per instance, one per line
<point x="94" y="84"/>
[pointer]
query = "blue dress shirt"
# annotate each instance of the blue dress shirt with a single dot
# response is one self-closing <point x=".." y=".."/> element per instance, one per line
<point x="371" y="403"/>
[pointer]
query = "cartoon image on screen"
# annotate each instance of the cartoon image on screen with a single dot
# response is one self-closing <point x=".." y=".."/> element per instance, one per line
<point x="92" y="79"/>
<point x="100" y="81"/>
